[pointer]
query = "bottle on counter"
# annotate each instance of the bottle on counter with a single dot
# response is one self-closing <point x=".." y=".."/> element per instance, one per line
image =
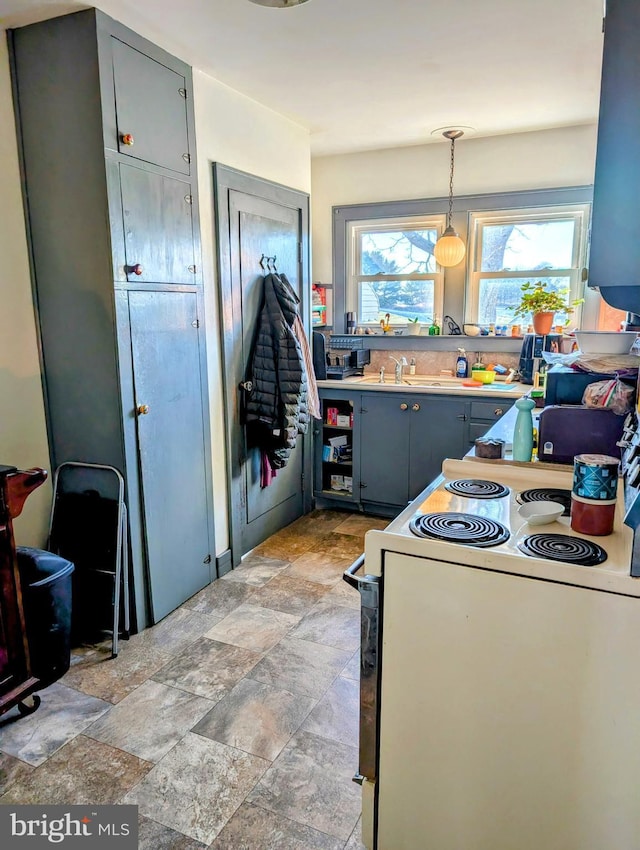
<point x="412" y="366"/>
<point x="523" y="431"/>
<point x="462" y="364"/>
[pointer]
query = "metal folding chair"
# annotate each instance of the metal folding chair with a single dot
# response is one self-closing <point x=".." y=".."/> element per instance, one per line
<point x="57" y="543"/>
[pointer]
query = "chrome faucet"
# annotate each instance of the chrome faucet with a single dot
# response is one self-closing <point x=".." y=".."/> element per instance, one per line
<point x="400" y="364"/>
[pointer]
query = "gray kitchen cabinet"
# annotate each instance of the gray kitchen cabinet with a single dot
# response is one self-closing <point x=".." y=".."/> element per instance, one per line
<point x="403" y="441"/>
<point x="158" y="227"/>
<point x="615" y="249"/>
<point x="151" y="108"/>
<point x="484" y="414"/>
<point x="123" y="353"/>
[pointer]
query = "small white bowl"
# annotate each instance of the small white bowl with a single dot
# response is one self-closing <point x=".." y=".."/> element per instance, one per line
<point x="540" y="513"/>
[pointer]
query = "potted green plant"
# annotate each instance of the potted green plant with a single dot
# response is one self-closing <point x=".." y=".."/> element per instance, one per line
<point x="543" y="303"/>
<point x="414" y="327"/>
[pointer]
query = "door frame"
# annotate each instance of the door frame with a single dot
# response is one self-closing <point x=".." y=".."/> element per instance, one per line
<point x="226" y="180"/>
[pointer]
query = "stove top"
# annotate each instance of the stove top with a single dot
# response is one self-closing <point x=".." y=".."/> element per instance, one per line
<point x="562" y="547"/>
<point x="461" y="528"/>
<point x="547" y="494"/>
<point x="477" y="488"/>
<point x="457" y="524"/>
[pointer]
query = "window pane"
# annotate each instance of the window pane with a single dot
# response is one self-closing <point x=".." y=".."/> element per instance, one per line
<point x="499" y="298"/>
<point x="402" y="299"/>
<point x="527" y="245"/>
<point x="398" y="252"/>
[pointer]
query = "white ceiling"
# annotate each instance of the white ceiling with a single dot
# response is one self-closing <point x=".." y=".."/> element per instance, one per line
<point x="367" y="74"/>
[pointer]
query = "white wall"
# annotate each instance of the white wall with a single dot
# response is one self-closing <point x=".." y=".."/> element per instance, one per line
<point x="236" y="131"/>
<point x="23" y="438"/>
<point x="540" y="160"/>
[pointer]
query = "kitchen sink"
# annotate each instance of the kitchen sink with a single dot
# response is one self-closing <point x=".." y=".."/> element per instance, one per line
<point x="436" y="381"/>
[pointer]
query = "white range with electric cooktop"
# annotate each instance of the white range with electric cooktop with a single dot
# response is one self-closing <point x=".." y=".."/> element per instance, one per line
<point x="500" y="672"/>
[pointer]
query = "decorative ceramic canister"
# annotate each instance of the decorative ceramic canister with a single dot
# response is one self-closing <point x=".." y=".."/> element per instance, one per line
<point x="595" y="477"/>
<point x="594" y="518"/>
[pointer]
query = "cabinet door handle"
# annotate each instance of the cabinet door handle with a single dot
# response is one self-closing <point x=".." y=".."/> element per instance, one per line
<point x="126" y="139"/>
<point x="404" y="406"/>
<point x="498" y="411"/>
<point x="415" y="407"/>
<point x="362" y="484"/>
<point x="136" y="268"/>
<point x="142" y="409"/>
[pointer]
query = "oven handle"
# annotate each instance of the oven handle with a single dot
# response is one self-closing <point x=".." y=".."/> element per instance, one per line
<point x="349" y="575"/>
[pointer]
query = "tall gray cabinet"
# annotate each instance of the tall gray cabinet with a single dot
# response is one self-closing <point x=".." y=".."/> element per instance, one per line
<point x="106" y="128"/>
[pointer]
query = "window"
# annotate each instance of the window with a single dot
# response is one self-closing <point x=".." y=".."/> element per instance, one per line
<point x="512" y="247"/>
<point x="392" y="270"/>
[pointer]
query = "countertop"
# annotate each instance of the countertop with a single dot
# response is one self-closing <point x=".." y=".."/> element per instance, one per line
<point x="429" y="384"/>
<point x="503" y="430"/>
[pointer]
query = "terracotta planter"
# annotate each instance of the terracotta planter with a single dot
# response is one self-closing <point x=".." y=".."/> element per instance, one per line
<point x="543" y="322"/>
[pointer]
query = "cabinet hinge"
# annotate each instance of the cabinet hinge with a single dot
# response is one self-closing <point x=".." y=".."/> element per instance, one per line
<point x="188" y="199"/>
<point x="182" y="93"/>
<point x="192" y="269"/>
<point x="207" y="560"/>
<point x="195" y="323"/>
<point x="362" y="485"/>
<point x="302" y="481"/>
<point x="186" y="157"/>
<point x="363" y="410"/>
<point x="299" y="252"/>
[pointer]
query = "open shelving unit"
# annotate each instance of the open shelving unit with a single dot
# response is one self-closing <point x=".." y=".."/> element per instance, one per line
<point x="337" y="448"/>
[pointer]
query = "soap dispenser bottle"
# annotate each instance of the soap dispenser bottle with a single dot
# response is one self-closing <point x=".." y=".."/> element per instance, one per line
<point x="462" y="364"/>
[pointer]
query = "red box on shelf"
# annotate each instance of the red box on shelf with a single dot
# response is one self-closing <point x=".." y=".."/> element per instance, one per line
<point x="332" y="416"/>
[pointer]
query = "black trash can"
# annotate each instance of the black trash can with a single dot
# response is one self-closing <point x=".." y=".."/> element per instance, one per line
<point x="46" y="593"/>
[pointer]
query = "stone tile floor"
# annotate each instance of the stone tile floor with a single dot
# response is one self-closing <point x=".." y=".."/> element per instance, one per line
<point x="233" y="723"/>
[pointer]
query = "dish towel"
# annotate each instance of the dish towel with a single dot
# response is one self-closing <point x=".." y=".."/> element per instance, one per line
<point x="313" y="399"/>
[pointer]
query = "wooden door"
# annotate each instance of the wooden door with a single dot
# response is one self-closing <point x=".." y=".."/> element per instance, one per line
<point x="151" y="107"/>
<point x="158" y="227"/>
<point x="254" y="219"/>
<point x="384" y="448"/>
<point x="170" y="427"/>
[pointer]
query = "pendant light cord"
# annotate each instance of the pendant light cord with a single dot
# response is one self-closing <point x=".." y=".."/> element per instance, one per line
<point x="453" y="142"/>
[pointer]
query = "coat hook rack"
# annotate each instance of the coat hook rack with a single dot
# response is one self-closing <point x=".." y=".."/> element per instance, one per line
<point x="270" y="263"/>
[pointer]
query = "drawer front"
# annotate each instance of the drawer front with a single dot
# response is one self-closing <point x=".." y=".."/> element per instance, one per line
<point x="476" y="430"/>
<point x="489" y="410"/>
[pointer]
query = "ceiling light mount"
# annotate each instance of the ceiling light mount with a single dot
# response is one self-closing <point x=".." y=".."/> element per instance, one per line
<point x="449" y="250"/>
<point x="279" y="4"/>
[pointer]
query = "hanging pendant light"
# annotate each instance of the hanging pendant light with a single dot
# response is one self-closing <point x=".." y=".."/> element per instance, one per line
<point x="279" y="4"/>
<point x="450" y="249"/>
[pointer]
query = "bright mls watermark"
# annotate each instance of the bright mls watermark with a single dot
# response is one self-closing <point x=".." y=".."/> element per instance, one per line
<point x="70" y="827"/>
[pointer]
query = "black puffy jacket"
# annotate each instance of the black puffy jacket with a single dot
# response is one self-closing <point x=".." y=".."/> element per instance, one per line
<point x="277" y="409"/>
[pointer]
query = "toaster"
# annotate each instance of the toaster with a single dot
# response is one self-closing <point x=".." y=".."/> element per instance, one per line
<point x="565" y="431"/>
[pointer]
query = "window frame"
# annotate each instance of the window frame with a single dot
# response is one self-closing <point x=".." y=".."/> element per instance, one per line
<point x="579" y="213"/>
<point x="355" y="230"/>
<point x="455" y="278"/>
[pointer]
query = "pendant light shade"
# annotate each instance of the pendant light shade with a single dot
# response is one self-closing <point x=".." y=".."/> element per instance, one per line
<point x="279" y="4"/>
<point x="449" y="250"/>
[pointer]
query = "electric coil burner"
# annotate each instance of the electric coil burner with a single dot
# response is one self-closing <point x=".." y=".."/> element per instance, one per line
<point x="467" y="529"/>
<point x="561" y="547"/>
<point x="477" y="488"/>
<point x="547" y="494"/>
